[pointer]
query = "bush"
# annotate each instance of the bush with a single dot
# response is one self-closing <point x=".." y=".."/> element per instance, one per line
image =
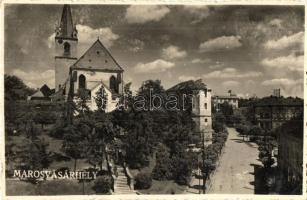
<point x="218" y="126"/>
<point x="143" y="181"/>
<point x="103" y="184"/>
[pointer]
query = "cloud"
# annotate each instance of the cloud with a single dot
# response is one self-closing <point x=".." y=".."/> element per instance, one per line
<point x="36" y="79"/>
<point x="187" y="78"/>
<point x="199" y="11"/>
<point x="154" y="67"/>
<point x="88" y="35"/>
<point x="198" y="60"/>
<point x="280" y="81"/>
<point x="173" y="52"/>
<point x="230" y="83"/>
<point x="289" y="87"/>
<point x="290" y="63"/>
<point x="142" y="14"/>
<point x="136" y="45"/>
<point x="286" y="42"/>
<point x="220" y="44"/>
<point x="232" y="73"/>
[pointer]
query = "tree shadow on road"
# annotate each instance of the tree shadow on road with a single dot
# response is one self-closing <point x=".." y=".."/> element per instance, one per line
<point x="246" y="142"/>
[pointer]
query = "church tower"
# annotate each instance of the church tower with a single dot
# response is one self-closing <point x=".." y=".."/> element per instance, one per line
<point x="66" y="41"/>
<point x="201" y="113"/>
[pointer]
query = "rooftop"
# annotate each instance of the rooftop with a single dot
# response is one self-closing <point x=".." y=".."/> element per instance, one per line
<point x="97" y="57"/>
<point x="191" y="84"/>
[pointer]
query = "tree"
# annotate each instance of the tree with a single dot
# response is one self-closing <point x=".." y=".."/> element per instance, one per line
<point x="255" y="131"/>
<point x="162" y="170"/>
<point x="35" y="155"/>
<point x="73" y="143"/>
<point x="227" y="111"/>
<point x="81" y="103"/>
<point x="44" y="117"/>
<point x="15" y="89"/>
<point x="148" y="88"/>
<point x="181" y="165"/>
<point x="127" y="99"/>
<point x="100" y="136"/>
<point x="243" y="130"/>
<point x="101" y="99"/>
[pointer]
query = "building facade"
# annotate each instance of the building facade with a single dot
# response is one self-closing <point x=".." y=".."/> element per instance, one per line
<point x="202" y="114"/>
<point x="290" y="155"/>
<point x="271" y="114"/>
<point x="231" y="99"/>
<point x="95" y="69"/>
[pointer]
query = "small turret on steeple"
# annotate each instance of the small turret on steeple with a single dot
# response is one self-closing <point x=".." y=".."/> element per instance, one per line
<point x="66" y="29"/>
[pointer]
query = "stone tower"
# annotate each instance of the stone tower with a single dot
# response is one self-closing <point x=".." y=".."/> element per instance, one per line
<point x="66" y="40"/>
<point x="201" y="112"/>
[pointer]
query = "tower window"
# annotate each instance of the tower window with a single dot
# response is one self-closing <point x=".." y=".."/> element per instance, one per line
<point x="206" y="120"/>
<point x="66" y="48"/>
<point x="82" y="82"/>
<point x="206" y="106"/>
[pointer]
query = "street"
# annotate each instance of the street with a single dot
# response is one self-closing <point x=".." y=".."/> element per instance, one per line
<point x="235" y="174"/>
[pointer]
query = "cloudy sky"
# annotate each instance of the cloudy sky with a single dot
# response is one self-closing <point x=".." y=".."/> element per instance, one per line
<point x="249" y="49"/>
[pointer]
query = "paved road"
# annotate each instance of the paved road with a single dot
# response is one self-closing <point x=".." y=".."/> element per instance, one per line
<point x="235" y="172"/>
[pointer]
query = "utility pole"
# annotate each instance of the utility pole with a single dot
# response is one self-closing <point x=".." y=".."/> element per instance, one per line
<point x="205" y="170"/>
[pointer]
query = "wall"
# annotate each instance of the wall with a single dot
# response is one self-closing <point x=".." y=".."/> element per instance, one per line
<point x="202" y="114"/>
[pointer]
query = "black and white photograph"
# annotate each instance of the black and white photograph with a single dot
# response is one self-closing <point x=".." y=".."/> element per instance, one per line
<point x="161" y="99"/>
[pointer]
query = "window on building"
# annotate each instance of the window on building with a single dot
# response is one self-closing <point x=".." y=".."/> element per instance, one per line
<point x="82" y="82"/>
<point x="206" y="120"/>
<point x="113" y="84"/>
<point x="66" y="48"/>
<point x="206" y="106"/>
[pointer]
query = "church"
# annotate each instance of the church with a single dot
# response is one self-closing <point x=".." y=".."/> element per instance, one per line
<point x="94" y="70"/>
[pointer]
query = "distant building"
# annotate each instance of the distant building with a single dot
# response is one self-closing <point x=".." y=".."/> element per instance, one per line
<point x="276" y="92"/>
<point x="231" y="99"/>
<point x="42" y="94"/>
<point x="290" y="154"/>
<point x="272" y="112"/>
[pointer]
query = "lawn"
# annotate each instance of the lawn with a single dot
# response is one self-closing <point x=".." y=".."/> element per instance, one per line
<point x="164" y="187"/>
<point x="54" y="187"/>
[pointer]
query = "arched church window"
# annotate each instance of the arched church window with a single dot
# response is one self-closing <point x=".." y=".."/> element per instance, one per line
<point x="66" y="48"/>
<point x="113" y="84"/>
<point x="82" y="84"/>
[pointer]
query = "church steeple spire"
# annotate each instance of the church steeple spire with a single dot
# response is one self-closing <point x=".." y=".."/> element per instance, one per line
<point x="66" y="28"/>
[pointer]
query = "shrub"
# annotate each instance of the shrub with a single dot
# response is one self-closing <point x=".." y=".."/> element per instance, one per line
<point x="143" y="181"/>
<point x="218" y="126"/>
<point x="103" y="184"/>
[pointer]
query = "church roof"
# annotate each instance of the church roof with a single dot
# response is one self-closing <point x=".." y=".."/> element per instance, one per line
<point x="97" y="58"/>
<point x="66" y="28"/>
